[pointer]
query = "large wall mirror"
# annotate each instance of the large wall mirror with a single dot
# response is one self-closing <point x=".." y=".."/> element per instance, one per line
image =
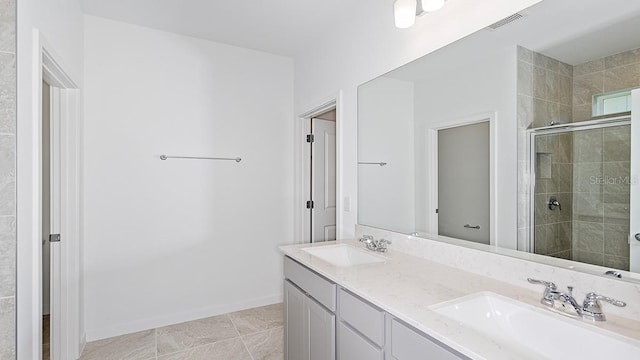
<point x="518" y="136"/>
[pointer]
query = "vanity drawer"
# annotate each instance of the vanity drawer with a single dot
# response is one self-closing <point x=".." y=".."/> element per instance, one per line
<point x="408" y="344"/>
<point x="313" y="284"/>
<point x="362" y="316"/>
<point x="352" y="346"/>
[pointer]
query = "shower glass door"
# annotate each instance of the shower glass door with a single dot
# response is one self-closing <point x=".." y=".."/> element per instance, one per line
<point x="581" y="196"/>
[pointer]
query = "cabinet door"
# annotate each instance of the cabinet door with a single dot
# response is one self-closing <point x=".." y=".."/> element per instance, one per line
<point x="321" y="331"/>
<point x="294" y="329"/>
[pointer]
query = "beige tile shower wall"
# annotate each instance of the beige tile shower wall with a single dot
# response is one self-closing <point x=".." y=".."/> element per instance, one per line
<point x="7" y="178"/>
<point x="554" y="178"/>
<point x="545" y="88"/>
<point x="615" y="72"/>
<point x="545" y="94"/>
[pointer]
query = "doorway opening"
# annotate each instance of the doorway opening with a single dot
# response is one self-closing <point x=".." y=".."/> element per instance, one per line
<point x="57" y="94"/>
<point x="322" y="176"/>
<point x="463" y="182"/>
<point x="460" y="179"/>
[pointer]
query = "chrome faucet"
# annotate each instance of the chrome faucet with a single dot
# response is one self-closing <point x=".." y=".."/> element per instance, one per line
<point x="379" y="245"/>
<point x="591" y="308"/>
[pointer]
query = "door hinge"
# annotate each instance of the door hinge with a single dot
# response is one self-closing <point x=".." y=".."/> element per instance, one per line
<point x="310" y="204"/>
<point x="310" y="138"/>
<point x="54" y="238"/>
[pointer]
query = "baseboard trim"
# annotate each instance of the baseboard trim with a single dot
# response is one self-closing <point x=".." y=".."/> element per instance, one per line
<point x="176" y="318"/>
<point x="83" y="344"/>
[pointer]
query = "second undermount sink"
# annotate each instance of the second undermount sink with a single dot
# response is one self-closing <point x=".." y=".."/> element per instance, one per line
<point x="343" y="255"/>
<point x="538" y="333"/>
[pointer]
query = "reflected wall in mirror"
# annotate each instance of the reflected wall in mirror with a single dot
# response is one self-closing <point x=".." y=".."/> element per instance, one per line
<point x="550" y="83"/>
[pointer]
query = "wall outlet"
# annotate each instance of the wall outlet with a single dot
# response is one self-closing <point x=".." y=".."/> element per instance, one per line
<point x="346" y="204"/>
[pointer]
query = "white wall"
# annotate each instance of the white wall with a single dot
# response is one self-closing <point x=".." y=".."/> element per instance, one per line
<point x="170" y="241"/>
<point x="60" y="22"/>
<point x="387" y="200"/>
<point x="368" y="47"/>
<point x="486" y="85"/>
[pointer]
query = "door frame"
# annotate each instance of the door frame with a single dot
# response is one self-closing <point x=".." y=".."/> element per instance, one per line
<point x="66" y="311"/>
<point x="301" y="231"/>
<point x="316" y="176"/>
<point x="431" y="156"/>
<point x="634" y="216"/>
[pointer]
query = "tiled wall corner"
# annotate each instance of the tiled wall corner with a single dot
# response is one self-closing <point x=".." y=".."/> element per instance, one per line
<point x="7" y="179"/>
<point x="545" y="94"/>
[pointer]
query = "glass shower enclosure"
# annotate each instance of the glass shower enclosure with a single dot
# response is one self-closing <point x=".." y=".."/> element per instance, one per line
<point x="580" y="191"/>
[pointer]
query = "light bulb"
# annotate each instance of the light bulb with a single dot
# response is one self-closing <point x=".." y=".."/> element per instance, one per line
<point x="405" y="13"/>
<point x="432" y="5"/>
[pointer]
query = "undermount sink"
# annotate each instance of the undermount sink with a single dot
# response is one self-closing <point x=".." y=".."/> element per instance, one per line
<point x="343" y="255"/>
<point x="536" y="332"/>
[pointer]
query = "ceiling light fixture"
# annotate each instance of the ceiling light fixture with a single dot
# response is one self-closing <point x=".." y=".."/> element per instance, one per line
<point x="432" y="5"/>
<point x="405" y="11"/>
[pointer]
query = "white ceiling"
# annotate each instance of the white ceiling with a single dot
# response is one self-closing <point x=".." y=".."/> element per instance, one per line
<point x="572" y="31"/>
<point x="277" y="26"/>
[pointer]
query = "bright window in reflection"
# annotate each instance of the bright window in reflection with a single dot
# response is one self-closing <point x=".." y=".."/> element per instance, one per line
<point x="612" y="102"/>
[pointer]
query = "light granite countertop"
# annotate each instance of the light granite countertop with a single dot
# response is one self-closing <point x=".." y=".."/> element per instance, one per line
<point x="406" y="286"/>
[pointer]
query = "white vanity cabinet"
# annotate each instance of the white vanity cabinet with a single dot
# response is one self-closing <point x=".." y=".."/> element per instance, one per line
<point x="360" y="331"/>
<point x="310" y="322"/>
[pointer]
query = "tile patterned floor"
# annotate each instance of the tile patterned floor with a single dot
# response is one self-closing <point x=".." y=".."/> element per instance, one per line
<point x="253" y="334"/>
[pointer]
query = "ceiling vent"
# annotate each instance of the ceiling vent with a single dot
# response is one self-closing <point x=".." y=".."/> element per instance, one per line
<point x="505" y="21"/>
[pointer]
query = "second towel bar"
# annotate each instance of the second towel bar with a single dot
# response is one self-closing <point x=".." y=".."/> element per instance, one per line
<point x="165" y="157"/>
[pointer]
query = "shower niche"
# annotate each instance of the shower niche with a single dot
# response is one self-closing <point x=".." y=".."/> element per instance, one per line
<point x="580" y="191"/>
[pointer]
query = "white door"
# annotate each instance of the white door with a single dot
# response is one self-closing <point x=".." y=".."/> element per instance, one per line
<point x="323" y="179"/>
<point x="634" y="224"/>
<point x="463" y="182"/>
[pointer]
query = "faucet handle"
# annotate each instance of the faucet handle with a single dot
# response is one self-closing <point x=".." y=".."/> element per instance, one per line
<point x="366" y="239"/>
<point x="548" y="284"/>
<point x="548" y="298"/>
<point x="592" y="309"/>
<point x="381" y="245"/>
<point x="593" y="297"/>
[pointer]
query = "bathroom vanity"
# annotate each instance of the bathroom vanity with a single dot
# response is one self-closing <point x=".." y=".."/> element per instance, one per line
<point x="391" y="308"/>
<point x="324" y="319"/>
